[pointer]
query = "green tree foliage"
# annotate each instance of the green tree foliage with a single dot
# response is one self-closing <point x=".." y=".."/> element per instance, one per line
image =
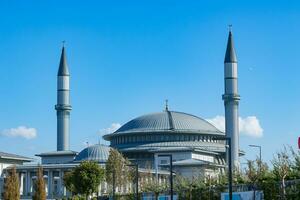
<point x="154" y="186"/>
<point x="117" y="168"/>
<point x="150" y="184"/>
<point x="183" y="187"/>
<point x="256" y="170"/>
<point x="39" y="186"/>
<point x="85" y="178"/>
<point x="258" y="176"/>
<point x="69" y="182"/>
<point x="295" y="164"/>
<point x="282" y="181"/>
<point x="198" y="188"/>
<point x="11" y="186"/>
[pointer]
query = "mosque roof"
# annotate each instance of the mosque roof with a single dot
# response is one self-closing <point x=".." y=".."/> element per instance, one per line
<point x="195" y="162"/>
<point x="97" y="152"/>
<point x="167" y="121"/>
<point x="57" y="153"/>
<point x="175" y="146"/>
<point x="11" y="156"/>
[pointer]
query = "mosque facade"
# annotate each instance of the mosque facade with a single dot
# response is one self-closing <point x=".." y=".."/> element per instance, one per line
<point x="150" y="141"/>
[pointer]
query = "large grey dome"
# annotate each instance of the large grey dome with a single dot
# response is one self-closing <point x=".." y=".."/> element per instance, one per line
<point x="98" y="153"/>
<point x="168" y="121"/>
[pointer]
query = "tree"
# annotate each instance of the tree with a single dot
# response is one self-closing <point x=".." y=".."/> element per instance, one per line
<point x="281" y="168"/>
<point x="39" y="186"/>
<point x="117" y="170"/>
<point x="150" y="183"/>
<point x="155" y="186"/>
<point x="183" y="187"/>
<point x="186" y="187"/>
<point x="85" y="178"/>
<point x="11" y="186"/>
<point x="254" y="172"/>
<point x="69" y="182"/>
<point x="295" y="163"/>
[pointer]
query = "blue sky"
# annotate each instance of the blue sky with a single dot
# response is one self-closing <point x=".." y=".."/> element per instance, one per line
<point x="126" y="58"/>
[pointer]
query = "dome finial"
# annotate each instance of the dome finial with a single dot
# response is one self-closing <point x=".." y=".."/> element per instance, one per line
<point x="166" y="105"/>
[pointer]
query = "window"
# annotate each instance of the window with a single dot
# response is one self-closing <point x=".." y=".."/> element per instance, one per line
<point x="194" y="137"/>
<point x="163" y="162"/>
<point x="152" y="138"/>
<point x="167" y="138"/>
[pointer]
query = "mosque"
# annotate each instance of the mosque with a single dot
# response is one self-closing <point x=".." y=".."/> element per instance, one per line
<point x="148" y="140"/>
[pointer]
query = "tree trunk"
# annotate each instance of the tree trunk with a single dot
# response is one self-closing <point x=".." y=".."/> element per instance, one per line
<point x="283" y="188"/>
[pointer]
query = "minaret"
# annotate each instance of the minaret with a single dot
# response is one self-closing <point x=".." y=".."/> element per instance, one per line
<point x="63" y="106"/>
<point x="231" y="99"/>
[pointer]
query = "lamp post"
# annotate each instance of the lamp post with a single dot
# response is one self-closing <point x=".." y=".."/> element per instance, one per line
<point x="259" y="147"/>
<point x="171" y="171"/>
<point x="229" y="164"/>
<point x="136" y="179"/>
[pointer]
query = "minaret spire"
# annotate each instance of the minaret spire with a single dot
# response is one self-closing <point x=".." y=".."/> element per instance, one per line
<point x="230" y="56"/>
<point x="63" y="106"/>
<point x="231" y="99"/>
<point x="63" y="69"/>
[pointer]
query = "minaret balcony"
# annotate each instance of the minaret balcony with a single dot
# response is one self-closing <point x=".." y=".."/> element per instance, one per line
<point x="63" y="107"/>
<point x="231" y="97"/>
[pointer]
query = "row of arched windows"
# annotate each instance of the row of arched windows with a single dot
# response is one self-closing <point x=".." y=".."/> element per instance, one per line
<point x="161" y="138"/>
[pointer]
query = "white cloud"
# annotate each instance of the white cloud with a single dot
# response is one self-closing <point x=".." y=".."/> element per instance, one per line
<point x="21" y="131"/>
<point x="249" y="126"/>
<point x="218" y="121"/>
<point x="112" y="128"/>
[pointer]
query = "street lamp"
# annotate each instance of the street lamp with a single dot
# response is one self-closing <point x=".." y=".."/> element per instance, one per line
<point x="136" y="179"/>
<point x="229" y="164"/>
<point x="257" y="146"/>
<point x="171" y="171"/>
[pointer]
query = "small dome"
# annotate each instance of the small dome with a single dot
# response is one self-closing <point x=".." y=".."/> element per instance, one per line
<point x="97" y="152"/>
<point x="168" y="120"/>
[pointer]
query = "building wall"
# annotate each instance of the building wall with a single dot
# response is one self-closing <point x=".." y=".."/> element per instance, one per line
<point x="5" y="163"/>
<point x="176" y="156"/>
<point x="53" y="177"/>
<point x="57" y="159"/>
